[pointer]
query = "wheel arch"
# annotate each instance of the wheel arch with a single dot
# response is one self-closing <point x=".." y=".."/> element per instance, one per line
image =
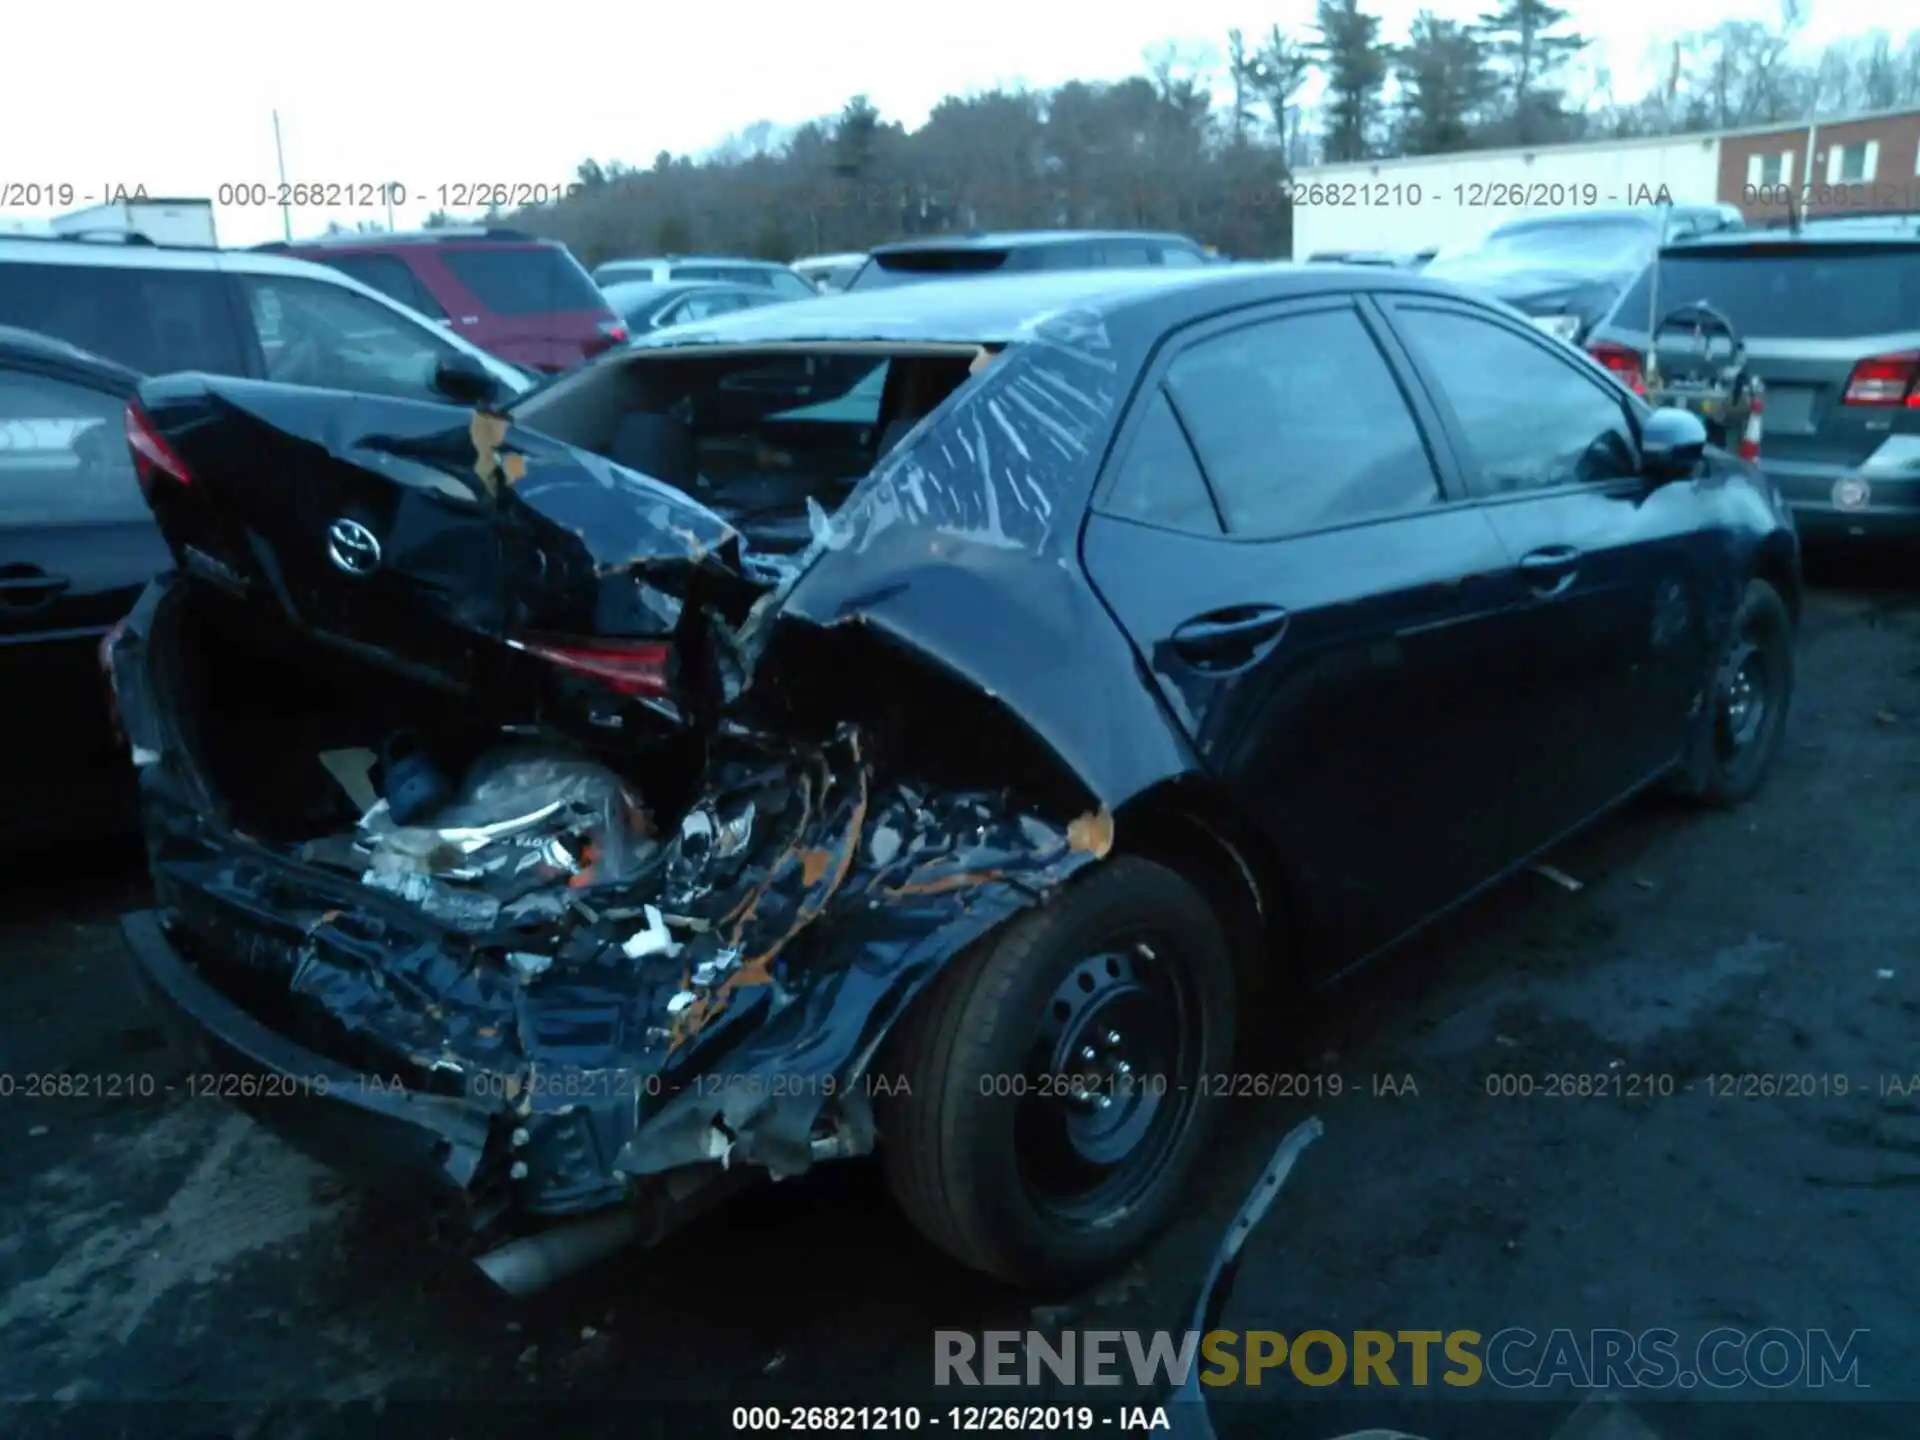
<point x="1187" y="825"/>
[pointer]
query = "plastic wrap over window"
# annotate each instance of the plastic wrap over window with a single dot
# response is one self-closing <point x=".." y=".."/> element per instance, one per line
<point x="1007" y="446"/>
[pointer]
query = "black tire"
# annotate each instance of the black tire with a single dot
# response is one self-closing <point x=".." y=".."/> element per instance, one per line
<point x="962" y="1146"/>
<point x="1732" y="751"/>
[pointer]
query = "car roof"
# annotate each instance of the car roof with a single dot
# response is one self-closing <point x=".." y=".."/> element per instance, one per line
<point x="30" y="345"/>
<point x="1021" y="239"/>
<point x="999" y="309"/>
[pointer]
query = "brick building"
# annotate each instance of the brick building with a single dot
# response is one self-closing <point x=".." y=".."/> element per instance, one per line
<point x="1857" y="165"/>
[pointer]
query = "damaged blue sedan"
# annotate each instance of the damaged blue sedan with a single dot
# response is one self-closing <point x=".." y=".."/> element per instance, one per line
<point x="923" y="722"/>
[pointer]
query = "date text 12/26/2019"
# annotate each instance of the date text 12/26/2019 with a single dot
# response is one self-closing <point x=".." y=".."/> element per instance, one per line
<point x="371" y="194"/>
<point x="1469" y="195"/>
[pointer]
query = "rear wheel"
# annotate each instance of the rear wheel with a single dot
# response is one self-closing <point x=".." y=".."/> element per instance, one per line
<point x="1054" y="1105"/>
<point x="1740" y="733"/>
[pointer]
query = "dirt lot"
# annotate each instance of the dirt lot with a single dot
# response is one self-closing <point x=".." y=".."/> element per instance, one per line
<point x="166" y="1250"/>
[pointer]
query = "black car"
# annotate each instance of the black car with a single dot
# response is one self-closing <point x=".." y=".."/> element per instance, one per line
<point x="77" y="546"/>
<point x="687" y="777"/>
<point x="1829" y="319"/>
<point x="1568" y="270"/>
<point x="645" y="306"/>
<point x="960" y="257"/>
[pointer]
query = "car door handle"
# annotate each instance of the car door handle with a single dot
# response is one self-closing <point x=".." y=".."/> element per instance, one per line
<point x="25" y="585"/>
<point x="1227" y="639"/>
<point x="1550" y="570"/>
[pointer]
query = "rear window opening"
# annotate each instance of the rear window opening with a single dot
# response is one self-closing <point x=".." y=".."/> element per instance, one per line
<point x="756" y="435"/>
<point x="1802" y="292"/>
<point x="524" y="279"/>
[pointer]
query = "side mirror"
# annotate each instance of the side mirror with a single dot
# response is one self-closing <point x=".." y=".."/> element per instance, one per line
<point x="1672" y="444"/>
<point x="465" y="381"/>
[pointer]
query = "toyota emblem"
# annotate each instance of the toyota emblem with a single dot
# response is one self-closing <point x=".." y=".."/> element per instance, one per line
<point x="352" y="548"/>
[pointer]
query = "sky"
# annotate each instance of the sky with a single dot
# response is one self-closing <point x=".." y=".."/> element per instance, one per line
<point x="180" y="97"/>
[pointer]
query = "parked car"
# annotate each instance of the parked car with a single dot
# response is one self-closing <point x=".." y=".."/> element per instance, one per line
<point x="1568" y="270"/>
<point x="77" y="546"/>
<point x="645" y="306"/>
<point x="154" y="309"/>
<point x="951" y="257"/>
<point x="1830" y="316"/>
<point x="517" y="296"/>
<point x="668" y="787"/>
<point x="783" y="281"/>
<point x="830" y="272"/>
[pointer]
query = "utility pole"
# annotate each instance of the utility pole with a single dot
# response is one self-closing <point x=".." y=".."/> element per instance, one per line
<point x="286" y="213"/>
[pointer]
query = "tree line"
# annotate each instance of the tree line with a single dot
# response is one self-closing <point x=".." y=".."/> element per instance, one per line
<point x="1203" y="140"/>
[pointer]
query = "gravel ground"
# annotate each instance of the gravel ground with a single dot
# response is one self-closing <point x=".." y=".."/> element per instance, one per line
<point x="167" y="1251"/>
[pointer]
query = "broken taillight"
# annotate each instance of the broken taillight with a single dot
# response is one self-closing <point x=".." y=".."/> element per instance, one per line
<point x="1623" y="361"/>
<point x="639" y="668"/>
<point x="1886" y="380"/>
<point x="152" y="456"/>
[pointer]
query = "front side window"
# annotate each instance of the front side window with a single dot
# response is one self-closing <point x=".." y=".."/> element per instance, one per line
<point x="1181" y="255"/>
<point x="1531" y="420"/>
<point x="1300" y="425"/>
<point x="63" y="455"/>
<point x="313" y="333"/>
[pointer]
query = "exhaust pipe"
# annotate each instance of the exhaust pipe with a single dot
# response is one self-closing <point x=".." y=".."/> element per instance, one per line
<point x="529" y="1265"/>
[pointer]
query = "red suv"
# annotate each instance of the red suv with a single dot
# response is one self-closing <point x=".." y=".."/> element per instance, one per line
<point x="514" y="295"/>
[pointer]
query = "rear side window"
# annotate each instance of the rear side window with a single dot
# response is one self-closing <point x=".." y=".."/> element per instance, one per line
<point x="1121" y="253"/>
<point x="1159" y="482"/>
<point x="153" y="321"/>
<point x="1813" y="292"/>
<point x="63" y="455"/>
<point x="1181" y="255"/>
<point x="1069" y="257"/>
<point x="1300" y="425"/>
<point x="393" y="278"/>
<point x="524" y="279"/>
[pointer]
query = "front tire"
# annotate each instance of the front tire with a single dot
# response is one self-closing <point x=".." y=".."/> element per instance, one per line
<point x="1740" y="733"/>
<point x="1056" y="1097"/>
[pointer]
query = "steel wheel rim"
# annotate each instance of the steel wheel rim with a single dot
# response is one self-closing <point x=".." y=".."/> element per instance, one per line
<point x="1110" y="1081"/>
<point x="1744" y="703"/>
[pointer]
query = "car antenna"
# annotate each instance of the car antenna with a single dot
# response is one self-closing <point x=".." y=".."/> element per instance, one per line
<point x="1652" y="373"/>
